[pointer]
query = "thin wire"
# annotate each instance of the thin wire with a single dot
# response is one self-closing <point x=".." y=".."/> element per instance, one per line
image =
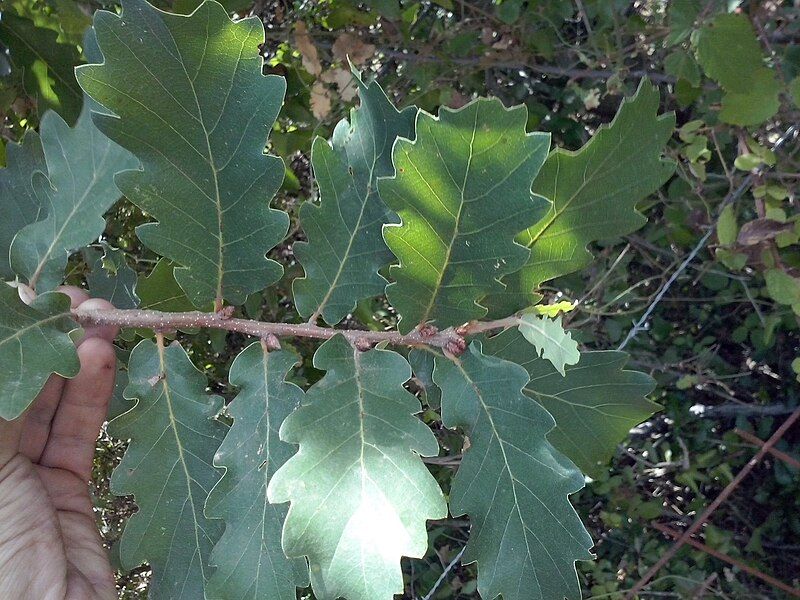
<point x="444" y="574"/>
<point x="732" y="197"/>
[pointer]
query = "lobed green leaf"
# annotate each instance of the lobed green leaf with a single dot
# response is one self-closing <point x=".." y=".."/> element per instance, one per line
<point x="512" y="483"/>
<point x="22" y="201"/>
<point x="593" y="195"/>
<point x="74" y="192"/>
<point x="345" y="247"/>
<point x="33" y="345"/>
<point x="192" y="104"/>
<point x="595" y="403"/>
<point x="168" y="469"/>
<point x="249" y="560"/>
<point x="359" y="493"/>
<point x="462" y="190"/>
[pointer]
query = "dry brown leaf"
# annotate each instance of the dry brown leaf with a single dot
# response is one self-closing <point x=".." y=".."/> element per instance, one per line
<point x="307" y="49"/>
<point x="320" y="100"/>
<point x="760" y="230"/>
<point x="343" y="80"/>
<point x="348" y="45"/>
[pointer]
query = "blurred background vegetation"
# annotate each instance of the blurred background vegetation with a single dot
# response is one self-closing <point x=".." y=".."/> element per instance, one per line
<point x="722" y="342"/>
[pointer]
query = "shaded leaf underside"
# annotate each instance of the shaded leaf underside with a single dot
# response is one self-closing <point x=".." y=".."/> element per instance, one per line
<point x="168" y="469"/>
<point x="512" y="483"/>
<point x="33" y="345"/>
<point x="75" y="191"/>
<point x="249" y="560"/>
<point x="595" y="404"/>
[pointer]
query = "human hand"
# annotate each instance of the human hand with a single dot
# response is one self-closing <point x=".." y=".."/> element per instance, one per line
<point x="50" y="548"/>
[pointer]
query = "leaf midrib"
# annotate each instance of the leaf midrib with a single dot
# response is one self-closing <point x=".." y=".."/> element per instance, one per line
<point x="496" y="434"/>
<point x="353" y="234"/>
<point x="174" y="426"/>
<point x="217" y="198"/>
<point x="440" y="276"/>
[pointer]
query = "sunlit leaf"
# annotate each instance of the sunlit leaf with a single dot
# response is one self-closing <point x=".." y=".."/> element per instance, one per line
<point x="462" y="190"/>
<point x="550" y="339"/>
<point x="593" y="195"/>
<point x="359" y="493"/>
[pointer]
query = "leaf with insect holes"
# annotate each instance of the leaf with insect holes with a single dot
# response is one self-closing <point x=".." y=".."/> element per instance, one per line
<point x="462" y="190"/>
<point x="550" y="340"/>
<point x="345" y="246"/>
<point x="359" y="492"/>
<point x="33" y="345"/>
<point x="76" y="190"/>
<point x="168" y="469"/>
<point x="249" y="560"/>
<point x="512" y="483"/>
<point x="595" y="403"/>
<point x="593" y="194"/>
<point x="193" y="106"/>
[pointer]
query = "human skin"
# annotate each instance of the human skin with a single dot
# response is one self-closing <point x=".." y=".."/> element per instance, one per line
<point x="50" y="548"/>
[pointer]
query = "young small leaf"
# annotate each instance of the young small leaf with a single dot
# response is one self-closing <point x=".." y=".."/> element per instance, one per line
<point x="462" y="190"/>
<point x="193" y="106"/>
<point x="33" y="345"/>
<point x="168" y="469"/>
<point x="345" y="247"/>
<point x="512" y="483"/>
<point x="595" y="403"/>
<point x="76" y="190"/>
<point x="22" y="202"/>
<point x="593" y="195"/>
<point x="249" y="560"/>
<point x="359" y="493"/>
<point x="550" y="340"/>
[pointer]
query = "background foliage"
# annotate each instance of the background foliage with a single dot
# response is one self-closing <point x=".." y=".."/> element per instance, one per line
<point x="722" y="343"/>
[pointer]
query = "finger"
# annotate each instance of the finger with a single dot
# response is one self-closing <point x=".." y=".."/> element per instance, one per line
<point x="82" y="410"/>
<point x="10" y="432"/>
<point x="77" y="296"/>
<point x="106" y="332"/>
<point x="36" y="420"/>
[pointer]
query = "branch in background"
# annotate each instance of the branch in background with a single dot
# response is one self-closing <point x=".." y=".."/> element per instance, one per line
<point x="731" y="197"/>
